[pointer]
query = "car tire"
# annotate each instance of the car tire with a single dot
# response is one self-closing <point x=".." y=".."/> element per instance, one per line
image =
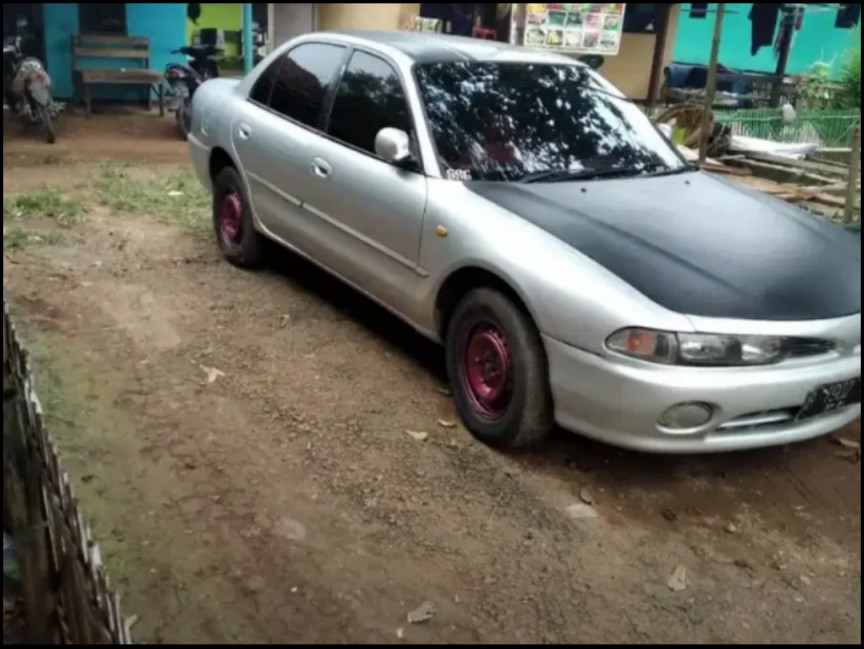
<point x="239" y="241"/>
<point x="498" y="371"/>
<point x="183" y="117"/>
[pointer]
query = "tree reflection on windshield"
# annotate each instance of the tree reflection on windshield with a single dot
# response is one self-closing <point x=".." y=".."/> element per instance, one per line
<point x="504" y="121"/>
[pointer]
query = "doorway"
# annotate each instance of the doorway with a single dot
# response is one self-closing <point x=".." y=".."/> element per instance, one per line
<point x="32" y="12"/>
<point x="102" y="18"/>
<point x="480" y="20"/>
<point x="33" y="43"/>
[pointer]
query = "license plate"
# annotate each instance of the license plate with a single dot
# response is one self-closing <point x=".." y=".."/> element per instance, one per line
<point x="828" y="398"/>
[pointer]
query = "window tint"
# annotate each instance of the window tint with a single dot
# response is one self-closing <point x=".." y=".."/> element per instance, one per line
<point x="264" y="84"/>
<point x="370" y="97"/>
<point x="302" y="82"/>
<point x="503" y="121"/>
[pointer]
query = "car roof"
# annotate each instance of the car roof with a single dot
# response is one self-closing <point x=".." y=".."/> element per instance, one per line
<point x="444" y="48"/>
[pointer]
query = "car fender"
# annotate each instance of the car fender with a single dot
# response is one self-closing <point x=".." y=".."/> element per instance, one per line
<point x="569" y="296"/>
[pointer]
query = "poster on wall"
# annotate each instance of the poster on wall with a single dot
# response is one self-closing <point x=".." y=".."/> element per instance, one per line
<point x="578" y="28"/>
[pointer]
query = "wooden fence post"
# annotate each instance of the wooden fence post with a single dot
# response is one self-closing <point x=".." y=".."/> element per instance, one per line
<point x="22" y="495"/>
<point x="66" y="595"/>
<point x="854" y="172"/>
<point x="711" y="85"/>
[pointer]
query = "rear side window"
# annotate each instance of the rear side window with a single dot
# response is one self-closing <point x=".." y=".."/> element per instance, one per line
<point x="370" y="97"/>
<point x="304" y="76"/>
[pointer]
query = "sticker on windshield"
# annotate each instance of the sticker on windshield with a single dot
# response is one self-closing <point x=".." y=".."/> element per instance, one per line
<point x="458" y="174"/>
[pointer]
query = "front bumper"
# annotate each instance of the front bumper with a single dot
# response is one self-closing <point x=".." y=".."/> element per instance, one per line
<point x="618" y="402"/>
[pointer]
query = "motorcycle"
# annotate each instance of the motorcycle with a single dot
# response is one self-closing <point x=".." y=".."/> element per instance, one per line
<point x="27" y="88"/>
<point x="183" y="81"/>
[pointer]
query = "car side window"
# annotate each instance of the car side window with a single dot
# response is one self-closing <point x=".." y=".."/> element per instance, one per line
<point x="264" y="84"/>
<point x="369" y="97"/>
<point x="303" y="79"/>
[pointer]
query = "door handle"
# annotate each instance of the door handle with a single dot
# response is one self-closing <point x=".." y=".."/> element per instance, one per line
<point x="321" y="168"/>
<point x="244" y="131"/>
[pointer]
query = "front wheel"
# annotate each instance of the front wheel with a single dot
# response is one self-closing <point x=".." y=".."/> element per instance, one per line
<point x="46" y="123"/>
<point x="183" y="115"/>
<point x="498" y="370"/>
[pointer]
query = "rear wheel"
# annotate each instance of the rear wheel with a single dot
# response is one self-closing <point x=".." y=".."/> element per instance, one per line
<point x="238" y="240"/>
<point x="498" y="370"/>
<point x="46" y="123"/>
<point x="183" y="115"/>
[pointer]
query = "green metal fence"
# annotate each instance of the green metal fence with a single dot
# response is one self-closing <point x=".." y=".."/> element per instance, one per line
<point x="829" y="128"/>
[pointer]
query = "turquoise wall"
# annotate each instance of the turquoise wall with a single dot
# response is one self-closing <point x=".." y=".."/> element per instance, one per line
<point x="61" y="21"/>
<point x="818" y="40"/>
<point x="164" y="23"/>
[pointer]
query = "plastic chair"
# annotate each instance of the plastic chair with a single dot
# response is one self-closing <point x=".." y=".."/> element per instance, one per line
<point x="485" y="33"/>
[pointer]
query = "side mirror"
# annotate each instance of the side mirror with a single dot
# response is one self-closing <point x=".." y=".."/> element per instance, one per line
<point x="393" y="145"/>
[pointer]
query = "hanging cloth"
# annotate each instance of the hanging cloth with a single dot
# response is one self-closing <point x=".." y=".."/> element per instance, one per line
<point x="848" y="17"/>
<point x="763" y="19"/>
<point x="193" y="12"/>
<point x="699" y="10"/>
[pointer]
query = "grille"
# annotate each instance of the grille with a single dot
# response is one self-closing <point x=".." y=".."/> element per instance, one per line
<point x="756" y="420"/>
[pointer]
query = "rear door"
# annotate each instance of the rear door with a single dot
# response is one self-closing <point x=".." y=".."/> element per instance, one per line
<point x="373" y="210"/>
<point x="276" y="132"/>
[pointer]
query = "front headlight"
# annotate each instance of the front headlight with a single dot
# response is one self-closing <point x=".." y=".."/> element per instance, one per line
<point x="706" y="350"/>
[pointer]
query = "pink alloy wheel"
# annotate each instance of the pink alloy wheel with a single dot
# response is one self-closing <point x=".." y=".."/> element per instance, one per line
<point x="487" y="369"/>
<point x="231" y="218"/>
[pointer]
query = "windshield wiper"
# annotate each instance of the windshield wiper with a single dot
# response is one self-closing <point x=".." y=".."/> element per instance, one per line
<point x="559" y="175"/>
<point x="686" y="169"/>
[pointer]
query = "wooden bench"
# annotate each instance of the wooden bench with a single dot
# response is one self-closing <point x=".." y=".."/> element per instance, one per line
<point x="135" y="49"/>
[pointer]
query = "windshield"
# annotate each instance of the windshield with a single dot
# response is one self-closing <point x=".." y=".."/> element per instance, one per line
<point x="509" y="121"/>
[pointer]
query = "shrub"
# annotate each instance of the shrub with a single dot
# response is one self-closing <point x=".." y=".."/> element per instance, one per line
<point x="849" y="94"/>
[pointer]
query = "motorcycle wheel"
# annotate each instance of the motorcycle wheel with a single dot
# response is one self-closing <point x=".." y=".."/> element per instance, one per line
<point x="49" y="129"/>
<point x="184" y="118"/>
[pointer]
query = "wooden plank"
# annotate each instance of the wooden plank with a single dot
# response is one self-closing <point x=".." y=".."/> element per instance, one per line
<point x="120" y="75"/>
<point x="811" y="166"/>
<point x="106" y="53"/>
<point x="792" y="193"/>
<point x="717" y="168"/>
<point x="779" y="173"/>
<point x="108" y="39"/>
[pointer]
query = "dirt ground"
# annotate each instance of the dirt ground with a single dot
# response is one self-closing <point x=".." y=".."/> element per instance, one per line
<point x="238" y="441"/>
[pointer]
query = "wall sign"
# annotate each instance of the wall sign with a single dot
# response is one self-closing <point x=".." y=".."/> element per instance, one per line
<point x="594" y="28"/>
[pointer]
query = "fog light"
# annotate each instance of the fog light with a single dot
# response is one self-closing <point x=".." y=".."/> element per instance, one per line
<point x="686" y="416"/>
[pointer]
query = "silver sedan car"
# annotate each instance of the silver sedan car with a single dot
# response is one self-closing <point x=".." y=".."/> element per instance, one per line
<point x="517" y="208"/>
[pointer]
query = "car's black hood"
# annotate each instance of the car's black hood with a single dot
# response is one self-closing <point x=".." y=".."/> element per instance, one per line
<point x="699" y="245"/>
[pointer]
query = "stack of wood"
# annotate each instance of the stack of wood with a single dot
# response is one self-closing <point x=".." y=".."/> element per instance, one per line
<point x="711" y="164"/>
<point x="796" y="181"/>
<point x="818" y="185"/>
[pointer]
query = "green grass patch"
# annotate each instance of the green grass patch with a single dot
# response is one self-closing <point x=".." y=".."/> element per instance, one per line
<point x="21" y="238"/>
<point x="176" y="198"/>
<point x="45" y="204"/>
